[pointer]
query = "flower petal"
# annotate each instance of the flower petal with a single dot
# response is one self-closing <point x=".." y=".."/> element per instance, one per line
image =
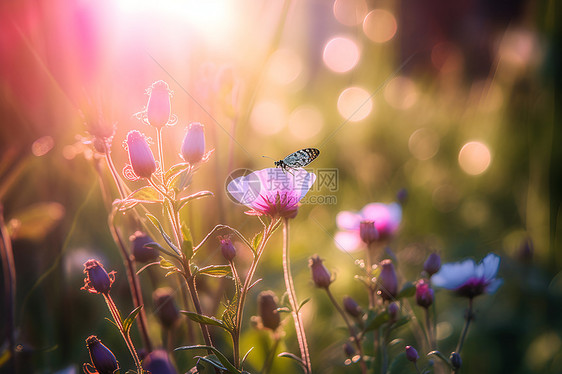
<point x="348" y="241"/>
<point x="452" y="276"/>
<point x="493" y="287"/>
<point x="490" y="265"/>
<point x="348" y="220"/>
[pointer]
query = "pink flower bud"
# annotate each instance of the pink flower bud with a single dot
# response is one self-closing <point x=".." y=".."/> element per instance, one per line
<point x="140" y="155"/>
<point x="165" y="306"/>
<point x="424" y="294"/>
<point x="227" y="248"/>
<point x="193" y="146"/>
<point x="142" y="254"/>
<point x="432" y="264"/>
<point x="97" y="279"/>
<point x="102" y="358"/>
<point x="159" y="107"/>
<point x="368" y="232"/>
<point x="351" y="307"/>
<point x="387" y="281"/>
<point x="411" y="353"/>
<point x="267" y="310"/>
<point x="320" y="275"/>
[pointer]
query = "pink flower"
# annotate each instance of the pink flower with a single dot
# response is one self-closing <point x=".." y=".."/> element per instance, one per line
<point x="387" y="218"/>
<point x="468" y="279"/>
<point x="193" y="146"/>
<point x="140" y="156"/>
<point x="159" y="107"/>
<point x="424" y="294"/>
<point x="272" y="192"/>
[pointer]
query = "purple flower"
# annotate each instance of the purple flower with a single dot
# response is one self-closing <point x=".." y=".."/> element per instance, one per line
<point x="467" y="278"/>
<point x="158" y="362"/>
<point x="368" y="232"/>
<point x="432" y="264"/>
<point x="159" y="106"/>
<point x="165" y="307"/>
<point x="97" y="279"/>
<point x="386" y="218"/>
<point x="103" y="360"/>
<point x="411" y="353"/>
<point x="272" y="192"/>
<point x="140" y="156"/>
<point x="227" y="248"/>
<point x="193" y="146"/>
<point x="320" y="275"/>
<point x="424" y="294"/>
<point x="267" y="310"/>
<point x="387" y="281"/>
<point x="351" y="307"/>
<point x="142" y="254"/>
<point x="393" y="310"/>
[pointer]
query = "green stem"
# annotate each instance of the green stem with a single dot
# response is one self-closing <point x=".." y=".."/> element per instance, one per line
<point x="469" y="318"/>
<point x="160" y="153"/>
<point x="271" y="356"/>
<point x="430" y="331"/>
<point x="299" y="328"/>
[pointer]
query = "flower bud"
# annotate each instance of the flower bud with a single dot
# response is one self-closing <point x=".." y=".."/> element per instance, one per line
<point x="387" y="281"/>
<point x="411" y="353"/>
<point x="351" y="307"/>
<point x="140" y="155"/>
<point x="158" y="362"/>
<point x="393" y="310"/>
<point x="320" y="275"/>
<point x="424" y="294"/>
<point x="165" y="307"/>
<point x="368" y="231"/>
<point x="432" y="264"/>
<point x="193" y="146"/>
<point x="97" y="279"/>
<point x="456" y="360"/>
<point x="402" y="195"/>
<point x="227" y="248"/>
<point x="102" y="358"/>
<point x="267" y="310"/>
<point x="159" y="107"/>
<point x="348" y="349"/>
<point x="142" y="254"/>
<point x="526" y="250"/>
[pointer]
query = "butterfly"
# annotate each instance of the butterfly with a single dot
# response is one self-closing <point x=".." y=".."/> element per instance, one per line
<point x="298" y="159"/>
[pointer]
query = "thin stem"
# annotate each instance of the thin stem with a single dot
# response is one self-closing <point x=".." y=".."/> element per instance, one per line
<point x="303" y="345"/>
<point x="271" y="356"/>
<point x="113" y="171"/>
<point x="430" y="331"/>
<point x="160" y="153"/>
<point x="9" y="269"/>
<point x="352" y="332"/>
<point x="369" y="269"/>
<point x="469" y="317"/>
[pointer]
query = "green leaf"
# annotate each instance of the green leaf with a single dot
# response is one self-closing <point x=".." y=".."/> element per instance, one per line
<point x="292" y="357"/>
<point x="113" y="323"/>
<point x="303" y="302"/>
<point x="165" y="264"/>
<point x="220" y="356"/>
<point x="256" y="242"/>
<point x="401" y="322"/>
<point x="199" y="318"/>
<point x="187" y="243"/>
<point x="246" y="356"/>
<point x="158" y="247"/>
<point x="408" y="290"/>
<point x="157" y="224"/>
<point x="217" y="271"/>
<point x="127" y="323"/>
<point x="146" y="194"/>
<point x="175" y="170"/>
<point x="213" y="360"/>
<point x="180" y="181"/>
<point x="147" y="266"/>
<point x="374" y="321"/>
<point x="195" y="196"/>
<point x="442" y="357"/>
<point x="401" y="365"/>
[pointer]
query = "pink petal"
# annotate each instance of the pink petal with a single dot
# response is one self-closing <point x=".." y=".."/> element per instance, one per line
<point x="348" y="241"/>
<point x="348" y="220"/>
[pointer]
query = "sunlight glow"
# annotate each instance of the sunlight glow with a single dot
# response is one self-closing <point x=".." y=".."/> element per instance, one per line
<point x="355" y="104"/>
<point x="341" y="54"/>
<point x="401" y="93"/>
<point x="350" y="12"/>
<point x="474" y="158"/>
<point x="380" y="25"/>
<point x="268" y="117"/>
<point x="285" y="66"/>
<point x="423" y="144"/>
<point x="305" y="122"/>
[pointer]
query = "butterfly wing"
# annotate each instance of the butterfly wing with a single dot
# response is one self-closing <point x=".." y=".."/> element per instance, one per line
<point x="301" y="158"/>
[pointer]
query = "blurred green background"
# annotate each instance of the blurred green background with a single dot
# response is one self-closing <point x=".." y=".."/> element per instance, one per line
<point x="454" y="101"/>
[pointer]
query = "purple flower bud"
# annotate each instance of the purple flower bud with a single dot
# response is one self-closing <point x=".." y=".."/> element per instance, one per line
<point x="411" y="353"/>
<point x="227" y="248"/>
<point x="140" y="155"/>
<point x="159" y="107"/>
<point x="158" y="362"/>
<point x="142" y="254"/>
<point x="456" y="360"/>
<point x="526" y="250"/>
<point x="402" y="195"/>
<point x="432" y="264"/>
<point x="102" y="358"/>
<point x="165" y="307"/>
<point x="368" y="232"/>
<point x="393" y="310"/>
<point x="424" y="294"/>
<point x="193" y="146"/>
<point x="387" y="281"/>
<point x="97" y="279"/>
<point x="320" y="275"/>
<point x="351" y="307"/>
<point x="348" y="349"/>
<point x="267" y="310"/>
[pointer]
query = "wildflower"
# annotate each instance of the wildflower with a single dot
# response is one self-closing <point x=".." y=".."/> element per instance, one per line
<point x="348" y="350"/>
<point x="103" y="360"/>
<point x="227" y="248"/>
<point x="165" y="307"/>
<point x="468" y="279"/>
<point x="386" y="218"/>
<point x="159" y="106"/>
<point x="387" y="281"/>
<point x="142" y="253"/>
<point x="193" y="146"/>
<point x="320" y="275"/>
<point x="368" y="232"/>
<point x="158" y="362"/>
<point x="393" y="311"/>
<point x="267" y="310"/>
<point x="411" y="353"/>
<point x="432" y="264"/>
<point x="456" y="361"/>
<point x="351" y="307"/>
<point x="424" y="293"/>
<point x="140" y="156"/>
<point x="97" y="279"/>
<point x="272" y="192"/>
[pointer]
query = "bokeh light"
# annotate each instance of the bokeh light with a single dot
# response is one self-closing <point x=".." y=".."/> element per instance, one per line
<point x="341" y="54"/>
<point x="380" y="25"/>
<point x="42" y="146"/>
<point x="305" y="122"/>
<point x="284" y="67"/>
<point x="474" y="158"/>
<point x="401" y="93"/>
<point x="355" y="104"/>
<point x="423" y="144"/>
<point x="350" y="12"/>
<point x="268" y="117"/>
